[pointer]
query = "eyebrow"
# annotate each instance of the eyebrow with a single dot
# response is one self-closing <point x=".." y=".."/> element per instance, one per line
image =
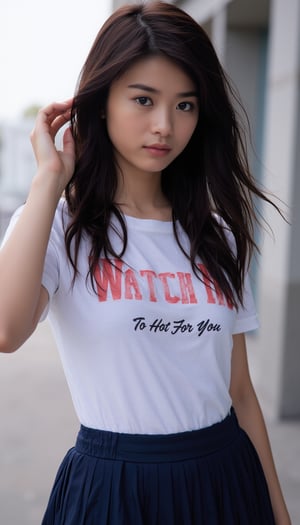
<point x="150" y="89"/>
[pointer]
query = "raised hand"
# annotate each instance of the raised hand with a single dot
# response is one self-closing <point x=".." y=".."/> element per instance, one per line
<point x="52" y="163"/>
<point x="22" y="300"/>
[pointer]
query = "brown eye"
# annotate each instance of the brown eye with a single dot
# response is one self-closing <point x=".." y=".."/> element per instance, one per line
<point x="185" y="106"/>
<point x="144" y="101"/>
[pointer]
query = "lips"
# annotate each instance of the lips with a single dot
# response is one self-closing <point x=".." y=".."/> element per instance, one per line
<point x="159" y="147"/>
<point x="157" y="150"/>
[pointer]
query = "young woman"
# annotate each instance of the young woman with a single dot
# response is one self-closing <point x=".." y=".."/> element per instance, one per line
<point x="142" y="266"/>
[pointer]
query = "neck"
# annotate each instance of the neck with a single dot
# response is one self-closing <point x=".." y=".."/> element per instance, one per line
<point x="142" y="197"/>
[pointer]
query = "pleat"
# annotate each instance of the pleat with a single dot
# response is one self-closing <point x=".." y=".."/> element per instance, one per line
<point x="223" y="487"/>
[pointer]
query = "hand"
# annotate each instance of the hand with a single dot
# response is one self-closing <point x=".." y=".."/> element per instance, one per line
<point x="51" y="162"/>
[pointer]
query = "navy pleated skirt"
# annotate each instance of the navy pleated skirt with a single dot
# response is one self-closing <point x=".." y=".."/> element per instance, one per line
<point x="210" y="476"/>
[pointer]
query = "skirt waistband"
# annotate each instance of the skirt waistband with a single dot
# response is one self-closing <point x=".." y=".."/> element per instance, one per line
<point x="157" y="448"/>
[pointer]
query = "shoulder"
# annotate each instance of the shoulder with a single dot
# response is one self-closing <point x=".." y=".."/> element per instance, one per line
<point x="61" y="218"/>
<point x="62" y="215"/>
<point x="60" y="224"/>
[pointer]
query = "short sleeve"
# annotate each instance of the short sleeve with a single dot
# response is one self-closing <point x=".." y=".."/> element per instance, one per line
<point x="50" y="278"/>
<point x="246" y="319"/>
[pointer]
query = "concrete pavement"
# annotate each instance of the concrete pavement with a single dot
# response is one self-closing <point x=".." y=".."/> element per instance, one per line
<point x="38" y="425"/>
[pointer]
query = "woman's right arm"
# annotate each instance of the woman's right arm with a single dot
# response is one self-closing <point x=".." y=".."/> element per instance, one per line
<point x="22" y="297"/>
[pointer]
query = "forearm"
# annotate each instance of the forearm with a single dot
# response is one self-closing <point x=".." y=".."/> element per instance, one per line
<point x="21" y="264"/>
<point x="251" y="420"/>
<point x="23" y="255"/>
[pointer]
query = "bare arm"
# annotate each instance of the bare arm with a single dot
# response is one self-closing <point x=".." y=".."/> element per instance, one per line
<point x="22" y="297"/>
<point x="251" y="420"/>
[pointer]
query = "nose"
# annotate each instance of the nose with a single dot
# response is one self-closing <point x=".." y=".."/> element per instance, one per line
<point x="162" y="123"/>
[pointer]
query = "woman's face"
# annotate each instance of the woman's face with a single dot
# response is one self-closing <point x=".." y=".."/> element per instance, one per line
<point x="152" y="112"/>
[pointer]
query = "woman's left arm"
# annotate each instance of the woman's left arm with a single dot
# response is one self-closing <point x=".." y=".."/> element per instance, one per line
<point x="250" y="418"/>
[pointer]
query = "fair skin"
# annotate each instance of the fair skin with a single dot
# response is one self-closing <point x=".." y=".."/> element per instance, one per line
<point x="151" y="113"/>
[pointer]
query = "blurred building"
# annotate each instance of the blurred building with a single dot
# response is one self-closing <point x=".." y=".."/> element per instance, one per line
<point x="17" y="166"/>
<point x="258" y="42"/>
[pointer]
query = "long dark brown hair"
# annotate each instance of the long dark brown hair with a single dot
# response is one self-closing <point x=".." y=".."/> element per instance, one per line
<point x="208" y="180"/>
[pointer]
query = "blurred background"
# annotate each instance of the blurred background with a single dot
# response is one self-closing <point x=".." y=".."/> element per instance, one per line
<point x="43" y="47"/>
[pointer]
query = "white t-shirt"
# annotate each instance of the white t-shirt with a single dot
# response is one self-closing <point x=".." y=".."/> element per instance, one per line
<point x="150" y="352"/>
